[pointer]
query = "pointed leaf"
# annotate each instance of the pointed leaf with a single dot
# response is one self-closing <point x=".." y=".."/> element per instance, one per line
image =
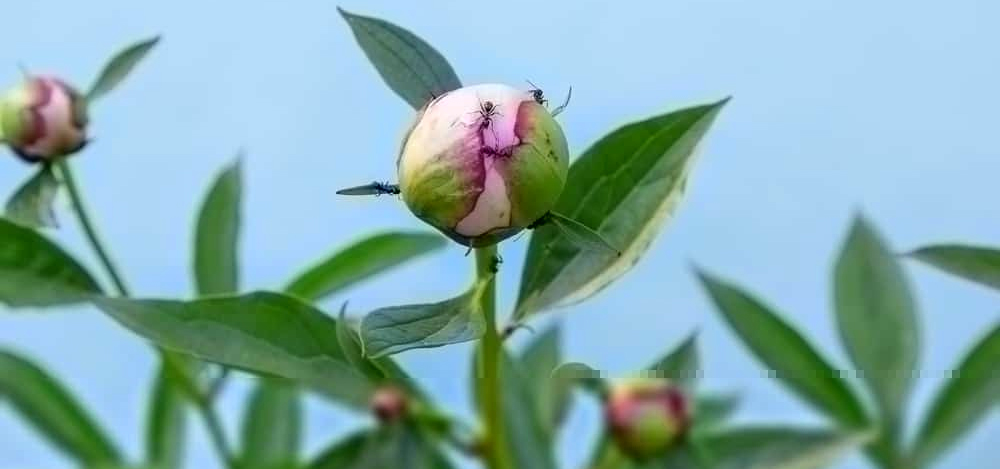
<point x="265" y="333"/>
<point x="119" y="67"/>
<point x="974" y="263"/>
<point x="49" y="407"/>
<point x="785" y="353"/>
<point x="364" y="259"/>
<point x="410" y="66"/>
<point x="272" y="426"/>
<point x="681" y="365"/>
<point x="582" y="375"/>
<point x="624" y="188"/>
<point x="31" y="204"/>
<point x="781" y="448"/>
<point x="876" y="316"/>
<point x="582" y="236"/>
<point x="970" y="396"/>
<point x="217" y="232"/>
<point x="392" y="447"/>
<point x="395" y="329"/>
<point x="165" y="424"/>
<point x="378" y="370"/>
<point x="538" y="360"/>
<point x="36" y="272"/>
<point x="712" y="411"/>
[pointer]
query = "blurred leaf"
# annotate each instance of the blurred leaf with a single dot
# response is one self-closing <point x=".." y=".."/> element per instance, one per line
<point x="165" y="424"/>
<point x="978" y="264"/>
<point x="713" y="411"/>
<point x="378" y="370"/>
<point x="265" y="333"/>
<point x="49" y="407"/>
<point x="528" y="444"/>
<point x="971" y="395"/>
<point x="362" y="260"/>
<point x="682" y="365"/>
<point x="31" y="204"/>
<point x="538" y="360"/>
<point x="785" y="353"/>
<point x="391" y="447"/>
<point x="216" y="265"/>
<point x="395" y="329"/>
<point x="608" y="456"/>
<point x="877" y="317"/>
<point x="410" y="66"/>
<point x="624" y="188"/>
<point x="272" y="426"/>
<point x="780" y="448"/>
<point x="582" y="375"/>
<point x="36" y="272"/>
<point x="119" y="67"/>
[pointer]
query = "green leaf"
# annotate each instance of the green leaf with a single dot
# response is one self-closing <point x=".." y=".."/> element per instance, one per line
<point x="581" y="375"/>
<point x="265" y="333"/>
<point x="49" y="407"/>
<point x="538" y="360"/>
<point x="711" y="411"/>
<point x="582" y="236"/>
<point x="216" y="244"/>
<point x="391" y="447"/>
<point x="364" y="259"/>
<point x="784" y="352"/>
<point x="974" y="263"/>
<point x="165" y="424"/>
<point x="119" y="67"/>
<point x="378" y="370"/>
<point x="410" y="66"/>
<point x="682" y="365"/>
<point x="624" y="188"/>
<point x="528" y="444"/>
<point x="31" y="204"/>
<point x="36" y="272"/>
<point x="780" y="448"/>
<point x="395" y="329"/>
<point x="272" y="426"/>
<point x="971" y="395"/>
<point x="876" y="316"/>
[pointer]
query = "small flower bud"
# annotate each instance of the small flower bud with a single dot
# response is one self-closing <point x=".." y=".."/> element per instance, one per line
<point x="389" y="404"/>
<point x="647" y="417"/>
<point x="43" y="118"/>
<point x="482" y="163"/>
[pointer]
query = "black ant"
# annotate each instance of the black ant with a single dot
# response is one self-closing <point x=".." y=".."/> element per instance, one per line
<point x="375" y="188"/>
<point x="537" y="94"/>
<point x="487" y="111"/>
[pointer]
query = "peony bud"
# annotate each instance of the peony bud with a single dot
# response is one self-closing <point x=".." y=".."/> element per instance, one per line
<point x="647" y="417"/>
<point x="482" y="163"/>
<point x="389" y="404"/>
<point x="43" y="119"/>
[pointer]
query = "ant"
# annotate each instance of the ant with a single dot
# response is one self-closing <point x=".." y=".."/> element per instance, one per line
<point x="375" y="188"/>
<point x="537" y="94"/>
<point x="487" y="111"/>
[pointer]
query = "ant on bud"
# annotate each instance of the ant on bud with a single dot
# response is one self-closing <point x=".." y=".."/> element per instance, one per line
<point x="537" y="94"/>
<point x="376" y="188"/>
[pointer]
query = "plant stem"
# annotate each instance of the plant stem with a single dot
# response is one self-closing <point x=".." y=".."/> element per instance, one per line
<point x="490" y="349"/>
<point x="203" y="404"/>
<point x="95" y="242"/>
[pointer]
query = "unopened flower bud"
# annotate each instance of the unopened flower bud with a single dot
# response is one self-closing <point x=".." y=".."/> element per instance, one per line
<point x="43" y="118"/>
<point x="389" y="404"/>
<point x="647" y="417"/>
<point x="482" y="163"/>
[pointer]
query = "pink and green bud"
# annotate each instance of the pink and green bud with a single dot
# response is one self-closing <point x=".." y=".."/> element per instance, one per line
<point x="43" y="118"/>
<point x="647" y="417"/>
<point x="482" y="163"/>
<point x="389" y="404"/>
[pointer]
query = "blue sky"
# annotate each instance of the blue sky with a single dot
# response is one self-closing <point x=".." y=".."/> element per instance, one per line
<point x="887" y="107"/>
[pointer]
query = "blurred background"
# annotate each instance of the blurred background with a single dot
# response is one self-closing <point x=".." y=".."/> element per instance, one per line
<point x="886" y="107"/>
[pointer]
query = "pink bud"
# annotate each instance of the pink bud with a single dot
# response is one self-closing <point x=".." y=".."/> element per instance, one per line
<point x="43" y="118"/>
<point x="389" y="404"/>
<point x="647" y="417"/>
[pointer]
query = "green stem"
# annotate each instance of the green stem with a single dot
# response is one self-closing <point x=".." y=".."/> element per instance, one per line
<point x="204" y="405"/>
<point x="88" y="228"/>
<point x="490" y="348"/>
